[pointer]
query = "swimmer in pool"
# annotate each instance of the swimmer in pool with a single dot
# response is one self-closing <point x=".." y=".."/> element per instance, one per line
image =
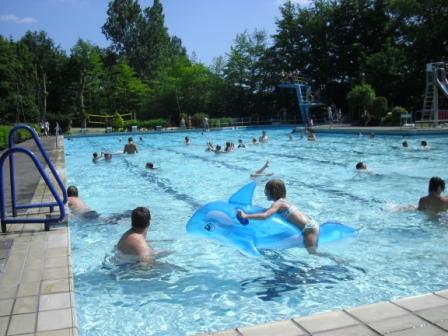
<point x="150" y="166"/>
<point x="424" y="145"/>
<point x="275" y="190"/>
<point x="264" y="137"/>
<point x="133" y="244"/>
<point x="311" y="135"/>
<point x="77" y="206"/>
<point x="260" y="172"/>
<point x="241" y="144"/>
<point x="107" y="156"/>
<point x="96" y="157"/>
<point x="434" y="202"/>
<point x="361" y="166"/>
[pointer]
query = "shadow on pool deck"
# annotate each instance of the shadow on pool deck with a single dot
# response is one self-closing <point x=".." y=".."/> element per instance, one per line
<point x="27" y="176"/>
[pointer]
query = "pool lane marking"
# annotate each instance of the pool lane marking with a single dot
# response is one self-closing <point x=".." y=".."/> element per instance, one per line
<point x="164" y="184"/>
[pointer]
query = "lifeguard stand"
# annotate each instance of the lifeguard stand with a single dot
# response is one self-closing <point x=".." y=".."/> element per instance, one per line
<point x="304" y="98"/>
<point x="435" y="102"/>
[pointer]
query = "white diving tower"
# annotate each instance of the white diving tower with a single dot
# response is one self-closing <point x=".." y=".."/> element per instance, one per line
<point x="436" y="93"/>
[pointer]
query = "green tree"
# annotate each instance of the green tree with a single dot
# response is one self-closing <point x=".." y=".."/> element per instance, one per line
<point x="122" y="25"/>
<point x="360" y="100"/>
<point x="243" y="70"/>
<point x="124" y="91"/>
<point x="117" y="121"/>
<point x="155" y="43"/>
<point x="181" y="88"/>
<point x="379" y="108"/>
<point x="46" y="61"/>
<point x="17" y="102"/>
<point x="85" y="62"/>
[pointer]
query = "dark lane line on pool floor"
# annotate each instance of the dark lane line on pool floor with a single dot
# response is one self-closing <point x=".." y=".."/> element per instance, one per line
<point x="206" y="159"/>
<point x="320" y="187"/>
<point x="164" y="184"/>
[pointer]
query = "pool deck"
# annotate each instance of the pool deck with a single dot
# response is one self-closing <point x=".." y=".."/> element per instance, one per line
<point x="36" y="281"/>
<point x="37" y="291"/>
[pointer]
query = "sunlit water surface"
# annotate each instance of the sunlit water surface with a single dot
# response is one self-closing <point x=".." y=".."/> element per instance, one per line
<point x="204" y="287"/>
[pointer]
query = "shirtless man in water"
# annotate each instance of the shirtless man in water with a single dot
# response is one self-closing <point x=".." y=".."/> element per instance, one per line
<point x="77" y="206"/>
<point x="434" y="202"/>
<point x="73" y="200"/>
<point x="133" y="242"/>
<point x="130" y="147"/>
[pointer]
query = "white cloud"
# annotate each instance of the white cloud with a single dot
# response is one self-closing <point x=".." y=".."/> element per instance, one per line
<point x="302" y="3"/>
<point x="14" y="19"/>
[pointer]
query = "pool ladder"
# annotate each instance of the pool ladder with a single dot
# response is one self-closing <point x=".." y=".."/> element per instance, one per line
<point x="59" y="202"/>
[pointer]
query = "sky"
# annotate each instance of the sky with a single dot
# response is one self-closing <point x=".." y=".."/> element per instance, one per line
<point x="206" y="27"/>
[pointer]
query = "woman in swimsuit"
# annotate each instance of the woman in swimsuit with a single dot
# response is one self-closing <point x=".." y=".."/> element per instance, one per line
<point x="275" y="190"/>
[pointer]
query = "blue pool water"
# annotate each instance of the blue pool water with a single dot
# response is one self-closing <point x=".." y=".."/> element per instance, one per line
<point x="202" y="286"/>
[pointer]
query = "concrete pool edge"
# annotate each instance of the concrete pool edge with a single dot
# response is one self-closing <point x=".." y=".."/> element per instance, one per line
<point x="418" y="315"/>
<point x="47" y="282"/>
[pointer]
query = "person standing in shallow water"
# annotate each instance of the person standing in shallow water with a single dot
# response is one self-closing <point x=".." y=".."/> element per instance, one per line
<point x="130" y="147"/>
<point x="133" y="242"/>
<point x="434" y="202"/>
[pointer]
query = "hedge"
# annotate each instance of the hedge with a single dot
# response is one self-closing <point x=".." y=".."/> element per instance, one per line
<point x="20" y="135"/>
<point x="148" y="124"/>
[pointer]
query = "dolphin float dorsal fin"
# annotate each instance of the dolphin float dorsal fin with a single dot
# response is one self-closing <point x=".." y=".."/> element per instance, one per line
<point x="244" y="195"/>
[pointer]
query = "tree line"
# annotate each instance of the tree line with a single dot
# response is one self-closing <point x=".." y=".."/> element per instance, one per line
<point x="335" y="45"/>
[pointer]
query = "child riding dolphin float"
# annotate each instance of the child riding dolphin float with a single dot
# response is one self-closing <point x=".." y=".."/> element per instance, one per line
<point x="218" y="221"/>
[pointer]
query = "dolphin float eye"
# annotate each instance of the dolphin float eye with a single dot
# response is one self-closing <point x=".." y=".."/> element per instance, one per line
<point x="209" y="227"/>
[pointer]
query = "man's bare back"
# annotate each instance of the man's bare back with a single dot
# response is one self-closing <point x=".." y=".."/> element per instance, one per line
<point x="135" y="244"/>
<point x="433" y="203"/>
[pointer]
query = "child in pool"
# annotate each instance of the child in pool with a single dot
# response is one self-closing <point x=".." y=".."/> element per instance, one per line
<point x="275" y="190"/>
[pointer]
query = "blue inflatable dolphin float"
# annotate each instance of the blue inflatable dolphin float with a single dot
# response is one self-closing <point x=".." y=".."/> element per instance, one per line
<point x="218" y="221"/>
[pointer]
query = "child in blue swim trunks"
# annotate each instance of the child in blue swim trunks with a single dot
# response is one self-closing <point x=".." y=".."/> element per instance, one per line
<point x="275" y="190"/>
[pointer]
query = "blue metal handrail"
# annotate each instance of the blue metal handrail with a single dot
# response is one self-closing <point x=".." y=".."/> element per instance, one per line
<point x="10" y="153"/>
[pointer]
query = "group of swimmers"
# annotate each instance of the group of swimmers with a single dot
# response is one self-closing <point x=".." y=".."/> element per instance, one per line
<point x="129" y="148"/>
<point x="230" y="146"/>
<point x="134" y="245"/>
<point x="423" y="144"/>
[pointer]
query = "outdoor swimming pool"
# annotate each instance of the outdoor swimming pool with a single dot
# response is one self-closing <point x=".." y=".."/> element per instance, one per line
<point x="203" y="287"/>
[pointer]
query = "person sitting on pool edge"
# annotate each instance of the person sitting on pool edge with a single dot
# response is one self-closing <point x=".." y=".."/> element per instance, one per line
<point x="77" y="206"/>
<point x="130" y="147"/>
<point x="275" y="190"/>
<point x="132" y="243"/>
<point x="434" y="202"/>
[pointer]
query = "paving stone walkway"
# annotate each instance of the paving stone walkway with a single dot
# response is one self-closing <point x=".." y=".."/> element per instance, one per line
<point x="36" y="284"/>
<point x="425" y="315"/>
